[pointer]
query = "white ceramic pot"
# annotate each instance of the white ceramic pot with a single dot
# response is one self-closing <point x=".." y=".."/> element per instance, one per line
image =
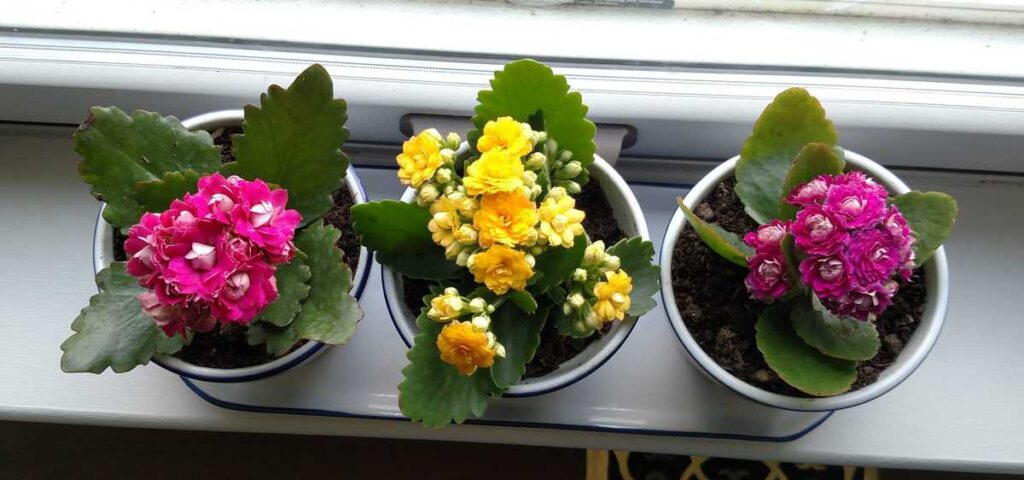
<point x="631" y="221"/>
<point x="103" y="255"/>
<point x="914" y="352"/>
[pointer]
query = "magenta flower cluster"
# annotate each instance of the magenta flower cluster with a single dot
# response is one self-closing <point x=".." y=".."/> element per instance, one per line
<point x="855" y="245"/>
<point x="211" y="255"/>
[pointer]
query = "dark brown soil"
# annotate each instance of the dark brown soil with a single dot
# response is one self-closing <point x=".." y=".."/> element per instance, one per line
<point x="554" y="348"/>
<point x="224" y="347"/>
<point x="720" y="314"/>
<point x="222" y="138"/>
<point x="340" y="217"/>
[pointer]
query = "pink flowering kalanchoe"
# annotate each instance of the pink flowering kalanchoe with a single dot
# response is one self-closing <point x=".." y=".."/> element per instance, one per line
<point x="211" y="256"/>
<point x="854" y="246"/>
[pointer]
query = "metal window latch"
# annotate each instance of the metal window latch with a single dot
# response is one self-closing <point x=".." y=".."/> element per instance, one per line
<point x="610" y="138"/>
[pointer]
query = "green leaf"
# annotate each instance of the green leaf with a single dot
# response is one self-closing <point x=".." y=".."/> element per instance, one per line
<point x="523" y="300"/>
<point x="329" y="313"/>
<point x="525" y="87"/>
<point x="292" y="288"/>
<point x="931" y="216"/>
<point x="792" y="257"/>
<point x="726" y="244"/>
<point x="813" y="160"/>
<point x="636" y="259"/>
<point x="792" y="120"/>
<point x="156" y="195"/>
<point x="294" y="139"/>
<point x="846" y="338"/>
<point x="112" y="331"/>
<point x="434" y="392"/>
<point x="119" y="151"/>
<point x="557" y="264"/>
<point x="397" y="232"/>
<point x="519" y="333"/>
<point x="798" y="363"/>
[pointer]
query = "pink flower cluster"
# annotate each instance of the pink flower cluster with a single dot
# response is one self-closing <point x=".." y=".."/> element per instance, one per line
<point x="855" y="245"/>
<point x="211" y="255"/>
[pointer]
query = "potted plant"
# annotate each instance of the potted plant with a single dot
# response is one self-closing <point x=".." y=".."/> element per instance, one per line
<point x="804" y="276"/>
<point x="507" y="270"/>
<point x="217" y="247"/>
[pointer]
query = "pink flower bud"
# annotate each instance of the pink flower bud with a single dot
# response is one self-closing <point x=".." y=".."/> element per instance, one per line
<point x="810" y="192"/>
<point x="767" y="237"/>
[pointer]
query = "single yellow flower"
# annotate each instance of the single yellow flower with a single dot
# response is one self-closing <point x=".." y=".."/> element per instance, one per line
<point x="495" y="171"/>
<point x="447" y="306"/>
<point x="420" y="158"/>
<point x="506" y="218"/>
<point x="501" y="268"/>
<point x="508" y="134"/>
<point x="560" y="222"/>
<point x="444" y="221"/>
<point x="465" y="347"/>
<point x="613" y="296"/>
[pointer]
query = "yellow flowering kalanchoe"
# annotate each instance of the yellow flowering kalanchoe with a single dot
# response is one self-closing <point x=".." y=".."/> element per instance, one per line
<point x="465" y="347"/>
<point x="506" y="133"/>
<point x="496" y="171"/>
<point x="613" y="296"/>
<point x="506" y="218"/>
<point x="501" y="269"/>
<point x="560" y="222"/>
<point x="421" y="156"/>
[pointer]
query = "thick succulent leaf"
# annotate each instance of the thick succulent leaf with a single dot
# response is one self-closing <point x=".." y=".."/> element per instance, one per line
<point x="726" y="244"/>
<point x="846" y="338"/>
<point x="524" y="300"/>
<point x="792" y="120"/>
<point x="294" y="139"/>
<point x="329" y="313"/>
<point x="931" y="216"/>
<point x="112" y="331"/>
<point x="524" y="88"/>
<point x="796" y="362"/>
<point x="434" y="392"/>
<point x="636" y="257"/>
<point x="397" y="233"/>
<point x="156" y="195"/>
<point x="292" y="288"/>
<point x="813" y="160"/>
<point x="119" y="151"/>
<point x="557" y="264"/>
<point x="519" y="333"/>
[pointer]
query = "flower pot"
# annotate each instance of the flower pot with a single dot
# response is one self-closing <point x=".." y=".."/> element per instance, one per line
<point x="630" y="219"/>
<point x="913" y="353"/>
<point x="103" y="255"/>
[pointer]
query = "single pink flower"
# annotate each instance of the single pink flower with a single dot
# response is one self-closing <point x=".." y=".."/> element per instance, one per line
<point x="175" y="320"/>
<point x="141" y="246"/>
<point x="860" y="179"/>
<point x="246" y="293"/>
<point x="896" y="225"/>
<point x="262" y="218"/>
<point x="818" y="231"/>
<point x="874" y="256"/>
<point x="828" y="277"/>
<point x="811" y="192"/>
<point x="767" y="278"/>
<point x="865" y="302"/>
<point x="858" y="205"/>
<point x="768" y="236"/>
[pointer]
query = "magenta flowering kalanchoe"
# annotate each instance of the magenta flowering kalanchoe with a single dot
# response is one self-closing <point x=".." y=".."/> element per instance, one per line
<point x="211" y="256"/>
<point x="854" y="242"/>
